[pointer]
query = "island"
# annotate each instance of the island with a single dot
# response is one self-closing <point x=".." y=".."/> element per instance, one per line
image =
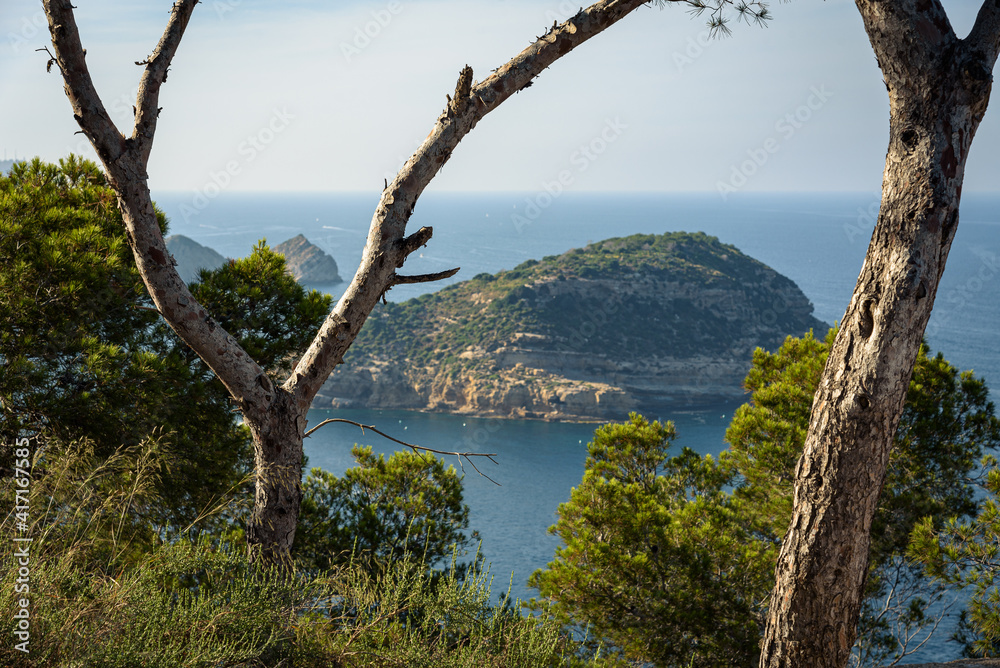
<point x="645" y="322"/>
<point x="308" y="263"/>
<point x="304" y="261"/>
<point x="191" y="257"/>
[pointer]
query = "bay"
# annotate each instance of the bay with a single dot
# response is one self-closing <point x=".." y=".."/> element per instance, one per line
<point x="514" y="502"/>
<point x="817" y="240"/>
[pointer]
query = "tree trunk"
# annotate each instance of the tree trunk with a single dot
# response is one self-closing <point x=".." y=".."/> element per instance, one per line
<point x="278" y="481"/>
<point x="938" y="90"/>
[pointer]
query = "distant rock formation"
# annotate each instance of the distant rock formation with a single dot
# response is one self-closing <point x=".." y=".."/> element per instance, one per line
<point x="308" y="263"/>
<point x="191" y="256"/>
<point x="5" y="166"/>
<point x="646" y="322"/>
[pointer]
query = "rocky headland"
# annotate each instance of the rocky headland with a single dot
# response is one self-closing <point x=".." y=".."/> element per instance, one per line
<point x="192" y="257"/>
<point x="308" y="263"/>
<point x="636" y="323"/>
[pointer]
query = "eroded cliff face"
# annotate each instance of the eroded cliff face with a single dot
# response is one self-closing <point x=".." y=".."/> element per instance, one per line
<point x="584" y="347"/>
<point x="519" y="392"/>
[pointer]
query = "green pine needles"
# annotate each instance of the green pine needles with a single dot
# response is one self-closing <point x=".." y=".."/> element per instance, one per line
<point x="668" y="558"/>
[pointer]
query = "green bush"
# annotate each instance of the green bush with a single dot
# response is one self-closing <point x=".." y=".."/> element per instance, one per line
<point x="381" y="510"/>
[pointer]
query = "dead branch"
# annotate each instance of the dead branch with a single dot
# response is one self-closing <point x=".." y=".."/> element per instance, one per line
<point x="467" y="455"/>
<point x="424" y="278"/>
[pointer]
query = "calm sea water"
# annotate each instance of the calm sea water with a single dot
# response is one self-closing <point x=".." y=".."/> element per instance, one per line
<point x="817" y="240"/>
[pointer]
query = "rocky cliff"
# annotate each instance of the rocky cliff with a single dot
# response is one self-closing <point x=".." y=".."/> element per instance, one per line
<point x="191" y="256"/>
<point x="308" y="263"/>
<point x="638" y="323"/>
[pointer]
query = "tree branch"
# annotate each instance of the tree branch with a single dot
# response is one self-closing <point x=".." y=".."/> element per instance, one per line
<point x="383" y="252"/>
<point x="468" y="455"/>
<point x="154" y="76"/>
<point x="904" y="32"/>
<point x="985" y="33"/>
<point x="125" y="166"/>
<point x="88" y="109"/>
<point x="416" y="240"/>
<point x="424" y="278"/>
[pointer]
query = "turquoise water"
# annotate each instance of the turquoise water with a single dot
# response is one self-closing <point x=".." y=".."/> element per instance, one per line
<point x="818" y="241"/>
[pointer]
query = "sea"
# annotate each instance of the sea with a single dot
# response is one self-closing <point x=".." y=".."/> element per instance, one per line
<point x="818" y="240"/>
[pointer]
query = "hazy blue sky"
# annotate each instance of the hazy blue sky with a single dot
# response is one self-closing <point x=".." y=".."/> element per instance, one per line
<point x="296" y="96"/>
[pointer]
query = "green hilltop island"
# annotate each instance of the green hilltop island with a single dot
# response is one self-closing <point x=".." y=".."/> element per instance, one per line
<point x="645" y="322"/>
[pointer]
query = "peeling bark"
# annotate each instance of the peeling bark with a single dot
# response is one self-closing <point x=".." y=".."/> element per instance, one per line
<point x="938" y="88"/>
<point x="277" y="416"/>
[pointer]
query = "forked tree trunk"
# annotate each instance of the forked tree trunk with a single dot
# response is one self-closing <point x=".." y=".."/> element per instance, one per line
<point x="938" y="88"/>
<point x="276" y="416"/>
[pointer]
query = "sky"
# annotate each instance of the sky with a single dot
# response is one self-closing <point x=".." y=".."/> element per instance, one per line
<point x="319" y="96"/>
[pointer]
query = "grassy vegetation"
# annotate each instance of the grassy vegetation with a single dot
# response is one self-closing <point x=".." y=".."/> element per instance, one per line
<point x="591" y="300"/>
<point x="106" y="593"/>
<point x="202" y="604"/>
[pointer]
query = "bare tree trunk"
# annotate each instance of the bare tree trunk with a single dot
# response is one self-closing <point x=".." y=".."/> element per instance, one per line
<point x="278" y="493"/>
<point x="277" y="416"/>
<point x="938" y="88"/>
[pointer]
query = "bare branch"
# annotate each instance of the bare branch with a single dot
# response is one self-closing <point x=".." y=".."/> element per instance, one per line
<point x="416" y="240"/>
<point x="462" y="90"/>
<point x="424" y="278"/>
<point x="125" y="166"/>
<point x="468" y="455"/>
<point x="886" y="22"/>
<point x="383" y="253"/>
<point x="48" y="67"/>
<point x="88" y="109"/>
<point x="985" y="34"/>
<point x="276" y="416"/>
<point x="155" y="74"/>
